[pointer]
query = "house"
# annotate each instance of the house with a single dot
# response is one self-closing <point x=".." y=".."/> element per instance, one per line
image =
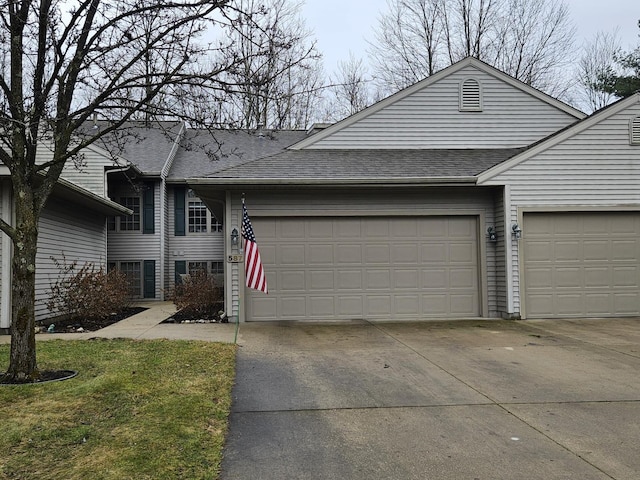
<point x="72" y="227"/>
<point x="468" y="194"/>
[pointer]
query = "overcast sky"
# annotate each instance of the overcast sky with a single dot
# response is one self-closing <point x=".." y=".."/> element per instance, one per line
<point x="343" y="25"/>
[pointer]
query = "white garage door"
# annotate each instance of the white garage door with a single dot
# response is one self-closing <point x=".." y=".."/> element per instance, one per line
<point x="581" y="264"/>
<point x="367" y="268"/>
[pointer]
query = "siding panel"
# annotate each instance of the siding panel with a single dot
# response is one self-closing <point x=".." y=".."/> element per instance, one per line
<point x="430" y="119"/>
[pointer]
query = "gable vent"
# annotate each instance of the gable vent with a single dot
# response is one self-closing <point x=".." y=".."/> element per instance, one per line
<point x="634" y="131"/>
<point x="470" y="96"/>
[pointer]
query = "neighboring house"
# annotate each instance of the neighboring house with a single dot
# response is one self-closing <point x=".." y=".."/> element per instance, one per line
<point x="469" y="194"/>
<point x="72" y="228"/>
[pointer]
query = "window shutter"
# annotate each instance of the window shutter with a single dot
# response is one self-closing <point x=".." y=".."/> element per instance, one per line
<point x="149" y="279"/>
<point x="179" y="207"/>
<point x="148" y="209"/>
<point x="470" y="96"/>
<point x="634" y="134"/>
<point x="181" y="269"/>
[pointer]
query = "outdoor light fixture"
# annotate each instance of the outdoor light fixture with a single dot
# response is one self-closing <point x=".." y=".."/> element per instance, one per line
<point x="515" y="229"/>
<point x="234" y="236"/>
<point x="491" y="233"/>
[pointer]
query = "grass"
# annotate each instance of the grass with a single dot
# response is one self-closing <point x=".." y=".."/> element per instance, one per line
<point x="137" y="410"/>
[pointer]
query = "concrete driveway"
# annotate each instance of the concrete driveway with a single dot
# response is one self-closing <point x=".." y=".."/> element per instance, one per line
<point x="477" y="400"/>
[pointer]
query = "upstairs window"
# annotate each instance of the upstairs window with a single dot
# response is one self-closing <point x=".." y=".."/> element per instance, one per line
<point x="130" y="222"/>
<point x="199" y="218"/>
<point x="470" y="96"/>
<point x="634" y="131"/>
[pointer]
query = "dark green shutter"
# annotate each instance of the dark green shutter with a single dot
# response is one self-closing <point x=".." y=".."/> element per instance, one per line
<point x="181" y="268"/>
<point x="149" y="279"/>
<point x="148" y="210"/>
<point x="179" y="212"/>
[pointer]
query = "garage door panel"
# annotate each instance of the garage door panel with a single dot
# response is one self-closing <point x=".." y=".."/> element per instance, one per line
<point x="291" y="255"/>
<point x="596" y="250"/>
<point x="377" y="267"/>
<point x="378" y="279"/>
<point x="349" y="279"/>
<point x="290" y="307"/>
<point x="433" y="278"/>
<point x="320" y="254"/>
<point x="348" y="254"/>
<point x="378" y="305"/>
<point x="291" y="280"/>
<point x="407" y="279"/>
<point x="625" y="276"/>
<point x="597" y="277"/>
<point x="377" y="254"/>
<point x="594" y="268"/>
<point x="405" y="254"/>
<point x="462" y="253"/>
<point x="321" y="280"/>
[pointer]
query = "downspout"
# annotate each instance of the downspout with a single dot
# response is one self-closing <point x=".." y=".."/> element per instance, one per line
<point x="164" y="173"/>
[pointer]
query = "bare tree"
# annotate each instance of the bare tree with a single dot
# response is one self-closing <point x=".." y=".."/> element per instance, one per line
<point x="526" y="39"/>
<point x="597" y="60"/>
<point x="61" y="62"/>
<point x="350" y="90"/>
<point x="279" y="69"/>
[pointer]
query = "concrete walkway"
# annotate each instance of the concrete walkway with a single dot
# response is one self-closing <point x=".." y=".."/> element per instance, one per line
<point x="148" y="325"/>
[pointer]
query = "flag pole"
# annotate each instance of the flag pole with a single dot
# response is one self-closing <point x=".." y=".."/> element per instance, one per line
<point x="240" y="288"/>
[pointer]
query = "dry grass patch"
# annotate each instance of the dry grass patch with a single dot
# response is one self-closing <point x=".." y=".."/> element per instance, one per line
<point x="137" y="410"/>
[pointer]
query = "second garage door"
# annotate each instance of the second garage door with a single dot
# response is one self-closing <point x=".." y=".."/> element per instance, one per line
<point x="367" y="268"/>
<point x="581" y="264"/>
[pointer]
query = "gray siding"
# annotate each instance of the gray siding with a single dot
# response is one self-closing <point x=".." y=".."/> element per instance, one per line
<point x="436" y="201"/>
<point x="430" y="118"/>
<point x="192" y="247"/>
<point x="71" y="233"/>
<point x="134" y="246"/>
<point x="90" y="171"/>
<point x="594" y="169"/>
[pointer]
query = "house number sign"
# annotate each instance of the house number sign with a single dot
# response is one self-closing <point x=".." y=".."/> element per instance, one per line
<point x="235" y="258"/>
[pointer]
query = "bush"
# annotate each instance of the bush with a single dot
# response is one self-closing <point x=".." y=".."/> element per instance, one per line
<point x="198" y="296"/>
<point x="87" y="291"/>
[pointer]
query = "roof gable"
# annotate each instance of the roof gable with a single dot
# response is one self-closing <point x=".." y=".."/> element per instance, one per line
<point x="563" y="136"/>
<point x="427" y="115"/>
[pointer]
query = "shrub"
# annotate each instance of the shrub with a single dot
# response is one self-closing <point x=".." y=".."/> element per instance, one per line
<point x="198" y="295"/>
<point x="87" y="291"/>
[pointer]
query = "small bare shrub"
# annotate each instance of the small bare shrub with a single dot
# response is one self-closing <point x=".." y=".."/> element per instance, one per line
<point x="87" y="291"/>
<point x="198" y="295"/>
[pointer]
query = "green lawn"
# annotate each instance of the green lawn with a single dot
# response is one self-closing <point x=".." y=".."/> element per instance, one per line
<point x="136" y="410"/>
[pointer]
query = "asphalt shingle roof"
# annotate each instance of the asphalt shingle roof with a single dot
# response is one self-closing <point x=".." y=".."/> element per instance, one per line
<point x="369" y="164"/>
<point x="203" y="153"/>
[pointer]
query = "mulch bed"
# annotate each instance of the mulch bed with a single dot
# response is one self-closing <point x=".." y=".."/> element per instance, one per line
<point x="78" y="325"/>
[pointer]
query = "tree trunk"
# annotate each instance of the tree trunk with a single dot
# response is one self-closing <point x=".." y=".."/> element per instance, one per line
<point x="23" y="366"/>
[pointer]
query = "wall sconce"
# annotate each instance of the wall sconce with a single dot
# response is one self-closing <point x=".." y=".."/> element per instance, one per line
<point x="491" y="233"/>
<point x="234" y="236"/>
<point x="516" y="231"/>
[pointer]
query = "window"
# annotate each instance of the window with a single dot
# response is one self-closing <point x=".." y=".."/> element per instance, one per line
<point x="130" y="222"/>
<point x="634" y="131"/>
<point x="217" y="268"/>
<point x="199" y="218"/>
<point x="195" y="267"/>
<point x="470" y="96"/>
<point x="132" y="271"/>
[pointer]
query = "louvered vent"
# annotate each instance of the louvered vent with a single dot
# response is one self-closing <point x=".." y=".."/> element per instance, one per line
<point x="634" y="134"/>
<point x="470" y="96"/>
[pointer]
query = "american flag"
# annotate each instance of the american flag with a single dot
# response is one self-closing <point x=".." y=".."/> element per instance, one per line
<point x="253" y="270"/>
